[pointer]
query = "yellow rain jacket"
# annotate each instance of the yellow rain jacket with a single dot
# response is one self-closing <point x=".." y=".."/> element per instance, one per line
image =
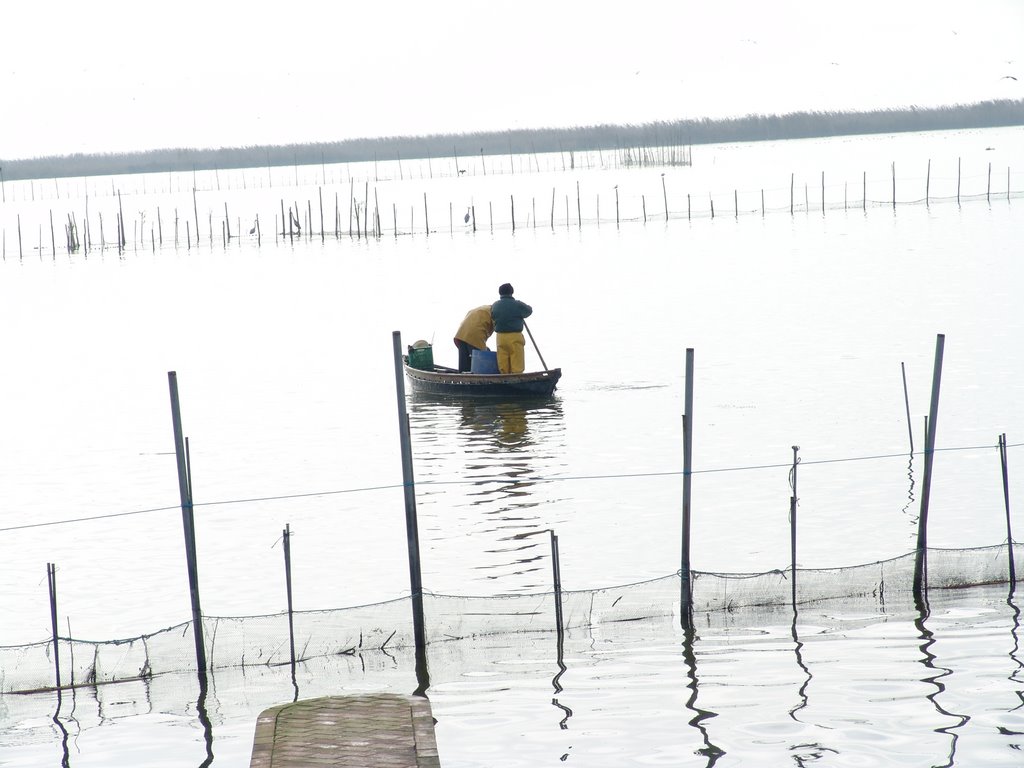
<point x="477" y="327"/>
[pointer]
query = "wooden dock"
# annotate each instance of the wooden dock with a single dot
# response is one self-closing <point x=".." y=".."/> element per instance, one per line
<point x="377" y="730"/>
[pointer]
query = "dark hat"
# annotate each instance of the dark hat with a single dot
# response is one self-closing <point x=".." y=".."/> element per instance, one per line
<point x="505" y="289"/>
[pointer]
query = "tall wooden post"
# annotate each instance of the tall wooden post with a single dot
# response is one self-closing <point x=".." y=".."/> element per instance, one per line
<point x="792" y="523"/>
<point x="1006" y="503"/>
<point x="51" y="579"/>
<point x="411" y="524"/>
<point x="556" y="581"/>
<point x="686" y="594"/>
<point x="188" y="523"/>
<point x="921" y="559"/>
<point x="286" y="538"/>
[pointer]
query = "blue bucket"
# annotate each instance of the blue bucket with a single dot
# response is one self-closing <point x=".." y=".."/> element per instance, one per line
<point x="484" y="361"/>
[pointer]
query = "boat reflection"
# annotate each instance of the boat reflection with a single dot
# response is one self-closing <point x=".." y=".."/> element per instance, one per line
<point x="487" y="464"/>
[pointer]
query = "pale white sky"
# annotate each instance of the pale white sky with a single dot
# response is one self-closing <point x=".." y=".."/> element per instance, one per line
<point x="120" y="75"/>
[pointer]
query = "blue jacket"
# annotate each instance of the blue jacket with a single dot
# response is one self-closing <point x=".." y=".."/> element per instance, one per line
<point x="508" y="314"/>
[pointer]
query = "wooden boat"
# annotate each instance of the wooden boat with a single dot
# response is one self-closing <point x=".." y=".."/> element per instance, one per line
<point x="448" y="381"/>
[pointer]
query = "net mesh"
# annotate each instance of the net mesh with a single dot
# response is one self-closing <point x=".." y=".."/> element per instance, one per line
<point x="248" y="641"/>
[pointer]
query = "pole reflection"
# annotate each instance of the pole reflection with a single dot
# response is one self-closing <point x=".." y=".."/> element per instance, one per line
<point x="710" y="750"/>
<point x="204" y="719"/>
<point x="65" y="760"/>
<point x="798" y="651"/>
<point x="556" y="680"/>
<point x="911" y="516"/>
<point x="928" y="660"/>
<point x="1015" y="676"/>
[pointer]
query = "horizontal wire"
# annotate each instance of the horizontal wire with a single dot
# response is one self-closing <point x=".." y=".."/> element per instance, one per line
<point x="479" y="481"/>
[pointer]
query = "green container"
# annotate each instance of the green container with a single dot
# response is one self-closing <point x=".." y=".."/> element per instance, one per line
<point x="421" y="358"/>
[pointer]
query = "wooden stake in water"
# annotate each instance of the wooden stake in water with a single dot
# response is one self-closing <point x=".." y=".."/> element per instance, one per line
<point x="51" y="578"/>
<point x="188" y="522"/>
<point x="556" y="580"/>
<point x="906" y="402"/>
<point x="686" y="580"/>
<point x="195" y="210"/>
<point x="664" y="195"/>
<point x="408" y="484"/>
<point x="286" y="539"/>
<point x="894" y="186"/>
<point x="928" y="184"/>
<point x="1006" y="503"/>
<point x="921" y="559"/>
<point x="792" y="522"/>
<point x="123" y="242"/>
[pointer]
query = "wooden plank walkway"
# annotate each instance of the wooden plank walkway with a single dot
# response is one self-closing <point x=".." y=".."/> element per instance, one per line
<point x="380" y="730"/>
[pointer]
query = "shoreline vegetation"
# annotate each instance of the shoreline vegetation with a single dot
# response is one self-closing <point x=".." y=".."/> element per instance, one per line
<point x="678" y="133"/>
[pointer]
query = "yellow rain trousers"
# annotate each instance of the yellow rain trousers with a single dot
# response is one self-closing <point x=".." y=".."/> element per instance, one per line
<point x="511" y="352"/>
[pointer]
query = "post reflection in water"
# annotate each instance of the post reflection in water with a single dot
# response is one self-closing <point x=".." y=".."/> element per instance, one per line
<point x="1015" y="676"/>
<point x="710" y="750"/>
<point x="204" y="719"/>
<point x="65" y="760"/>
<point x="480" y="466"/>
<point x="927" y="641"/>
<point x="912" y="517"/>
<point x="798" y="651"/>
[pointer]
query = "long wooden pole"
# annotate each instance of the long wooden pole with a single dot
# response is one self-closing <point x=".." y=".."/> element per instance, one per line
<point x="1006" y="503"/>
<point x="51" y="579"/>
<point x="906" y="402"/>
<point x="411" y="524"/>
<point x="921" y="559"/>
<point x="556" y="580"/>
<point x="188" y="523"/>
<point x="686" y="594"/>
<point x="535" y="345"/>
<point x="286" y="536"/>
<point x="792" y="524"/>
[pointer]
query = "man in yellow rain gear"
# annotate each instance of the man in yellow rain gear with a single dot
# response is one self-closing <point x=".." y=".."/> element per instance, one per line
<point x="508" y="314"/>
<point x="474" y="332"/>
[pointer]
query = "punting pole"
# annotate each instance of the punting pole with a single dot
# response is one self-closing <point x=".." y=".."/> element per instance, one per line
<point x="686" y="581"/>
<point x="411" y="525"/>
<point x="535" y="345"/>
<point x="188" y="523"/>
<point x="921" y="559"/>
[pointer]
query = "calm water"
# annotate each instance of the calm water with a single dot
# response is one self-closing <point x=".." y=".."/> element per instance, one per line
<point x="845" y="684"/>
<point x="283" y="354"/>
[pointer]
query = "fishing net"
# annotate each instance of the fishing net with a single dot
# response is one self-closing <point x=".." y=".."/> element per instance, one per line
<point x="248" y="641"/>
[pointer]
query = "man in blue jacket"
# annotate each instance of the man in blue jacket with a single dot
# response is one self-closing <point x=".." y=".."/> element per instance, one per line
<point x="508" y="314"/>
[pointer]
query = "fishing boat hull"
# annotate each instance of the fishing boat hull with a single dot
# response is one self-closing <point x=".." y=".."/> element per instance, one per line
<point x="510" y="386"/>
